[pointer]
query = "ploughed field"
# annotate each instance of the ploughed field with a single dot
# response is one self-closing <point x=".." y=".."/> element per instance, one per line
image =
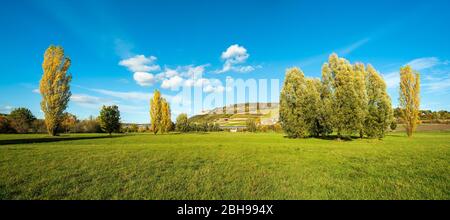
<point x="224" y="166"/>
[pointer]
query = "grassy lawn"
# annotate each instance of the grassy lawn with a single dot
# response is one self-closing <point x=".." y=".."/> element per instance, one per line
<point x="224" y="166"/>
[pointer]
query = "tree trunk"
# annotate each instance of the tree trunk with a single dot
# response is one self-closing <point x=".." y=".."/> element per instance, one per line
<point x="53" y="132"/>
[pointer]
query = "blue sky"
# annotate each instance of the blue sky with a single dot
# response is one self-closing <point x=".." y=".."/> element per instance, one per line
<point x="122" y="50"/>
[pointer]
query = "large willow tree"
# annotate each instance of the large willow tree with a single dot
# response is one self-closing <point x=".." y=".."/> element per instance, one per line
<point x="347" y="110"/>
<point x="291" y="100"/>
<point x="409" y="98"/>
<point x="380" y="113"/>
<point x="54" y="87"/>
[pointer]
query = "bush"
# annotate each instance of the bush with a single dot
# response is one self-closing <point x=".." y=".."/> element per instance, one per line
<point x="393" y="125"/>
<point x="90" y="125"/>
<point x="38" y="126"/>
<point x="5" y="126"/>
<point x="251" y="125"/>
<point x="182" y="124"/>
<point x="68" y="123"/>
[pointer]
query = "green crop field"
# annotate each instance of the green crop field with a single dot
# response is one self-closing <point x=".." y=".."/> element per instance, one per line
<point x="224" y="166"/>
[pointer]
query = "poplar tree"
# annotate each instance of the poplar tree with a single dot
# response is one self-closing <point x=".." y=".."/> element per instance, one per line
<point x="291" y="116"/>
<point x="156" y="112"/>
<point x="380" y="113"/>
<point x="54" y="87"/>
<point x="166" y="122"/>
<point x="409" y="98"/>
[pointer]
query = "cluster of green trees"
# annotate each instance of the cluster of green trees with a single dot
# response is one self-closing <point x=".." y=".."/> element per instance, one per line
<point x="21" y="120"/>
<point x="434" y="116"/>
<point x="183" y="124"/>
<point x="350" y="99"/>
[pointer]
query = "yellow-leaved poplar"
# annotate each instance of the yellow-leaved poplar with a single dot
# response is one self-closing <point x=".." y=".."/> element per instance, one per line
<point x="54" y="87"/>
<point x="409" y="98"/>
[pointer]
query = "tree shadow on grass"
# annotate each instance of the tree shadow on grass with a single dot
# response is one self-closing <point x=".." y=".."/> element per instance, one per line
<point x="332" y="138"/>
<point x="54" y="139"/>
<point x="337" y="138"/>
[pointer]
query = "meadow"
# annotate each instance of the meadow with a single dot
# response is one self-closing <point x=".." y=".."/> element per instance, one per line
<point x="224" y="166"/>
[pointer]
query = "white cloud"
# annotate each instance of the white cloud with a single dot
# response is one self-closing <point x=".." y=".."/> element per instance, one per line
<point x="6" y="109"/>
<point x="392" y="79"/>
<point x="196" y="71"/>
<point x="37" y="91"/>
<point x="172" y="83"/>
<point x="144" y="78"/>
<point x="424" y="63"/>
<point x="188" y="76"/>
<point x="129" y="96"/>
<point x="353" y="47"/>
<point x="233" y="56"/>
<point x="168" y="73"/>
<point x="213" y="88"/>
<point x="245" y="69"/>
<point x="140" y="63"/>
<point x="435" y="86"/>
<point x="320" y="58"/>
<point x="86" y="99"/>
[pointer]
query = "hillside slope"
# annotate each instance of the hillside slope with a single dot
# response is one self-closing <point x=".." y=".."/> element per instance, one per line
<point x="238" y="114"/>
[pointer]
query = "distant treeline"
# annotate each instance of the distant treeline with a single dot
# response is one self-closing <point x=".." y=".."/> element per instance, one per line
<point x="21" y="120"/>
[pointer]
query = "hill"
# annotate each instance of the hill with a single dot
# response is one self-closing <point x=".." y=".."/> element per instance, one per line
<point x="236" y="115"/>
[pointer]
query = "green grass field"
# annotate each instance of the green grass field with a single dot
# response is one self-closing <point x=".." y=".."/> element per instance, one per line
<point x="224" y="166"/>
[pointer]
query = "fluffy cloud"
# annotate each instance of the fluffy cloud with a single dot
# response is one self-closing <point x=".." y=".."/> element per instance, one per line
<point x="140" y="63"/>
<point x="188" y="76"/>
<point x="172" y="83"/>
<point x="141" y="66"/>
<point x="235" y="54"/>
<point x="232" y="57"/>
<point x="143" y="78"/>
